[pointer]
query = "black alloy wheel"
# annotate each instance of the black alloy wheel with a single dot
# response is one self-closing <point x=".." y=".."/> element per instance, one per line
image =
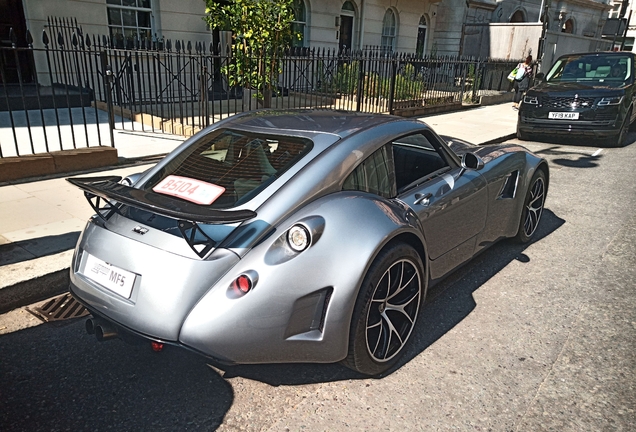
<point x="386" y="311"/>
<point x="532" y="207"/>
<point x="621" y="139"/>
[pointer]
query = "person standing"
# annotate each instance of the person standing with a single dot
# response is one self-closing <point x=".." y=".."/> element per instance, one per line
<point x="522" y="80"/>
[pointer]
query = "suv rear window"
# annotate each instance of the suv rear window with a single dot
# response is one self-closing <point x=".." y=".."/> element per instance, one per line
<point x="242" y="163"/>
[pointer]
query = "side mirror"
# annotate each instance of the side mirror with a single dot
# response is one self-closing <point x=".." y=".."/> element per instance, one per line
<point x="540" y="76"/>
<point x="472" y="161"/>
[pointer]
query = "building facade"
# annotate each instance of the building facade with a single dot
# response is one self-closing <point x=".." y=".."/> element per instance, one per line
<point x="578" y="17"/>
<point x="390" y="25"/>
<point x="413" y="26"/>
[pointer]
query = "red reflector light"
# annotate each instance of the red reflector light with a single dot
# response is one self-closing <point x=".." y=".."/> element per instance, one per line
<point x="156" y="346"/>
<point x="243" y="284"/>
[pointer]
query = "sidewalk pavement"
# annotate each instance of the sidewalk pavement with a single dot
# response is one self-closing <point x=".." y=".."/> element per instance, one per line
<point x="41" y="220"/>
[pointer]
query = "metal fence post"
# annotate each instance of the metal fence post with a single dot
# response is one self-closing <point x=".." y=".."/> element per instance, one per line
<point x="394" y="67"/>
<point x="108" y="77"/>
<point x="360" y="85"/>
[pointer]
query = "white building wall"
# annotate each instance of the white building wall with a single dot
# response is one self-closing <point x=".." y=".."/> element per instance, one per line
<point x="182" y="20"/>
<point x="172" y="19"/>
<point x="90" y="14"/>
<point x="367" y="30"/>
<point x="448" y="28"/>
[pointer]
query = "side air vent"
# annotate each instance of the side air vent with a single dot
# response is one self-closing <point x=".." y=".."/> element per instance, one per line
<point x="509" y="188"/>
<point x="308" y="317"/>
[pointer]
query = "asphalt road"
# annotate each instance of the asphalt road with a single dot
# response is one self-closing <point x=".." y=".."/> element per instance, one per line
<point x="522" y="339"/>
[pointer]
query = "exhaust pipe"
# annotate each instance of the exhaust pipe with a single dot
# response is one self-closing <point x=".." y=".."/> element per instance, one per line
<point x="105" y="332"/>
<point x="91" y="323"/>
<point x="101" y="329"/>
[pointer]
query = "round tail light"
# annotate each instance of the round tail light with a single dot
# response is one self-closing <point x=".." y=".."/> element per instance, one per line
<point x="243" y="284"/>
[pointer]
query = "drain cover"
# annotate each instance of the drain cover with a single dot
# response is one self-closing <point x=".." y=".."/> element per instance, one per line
<point x="58" y="308"/>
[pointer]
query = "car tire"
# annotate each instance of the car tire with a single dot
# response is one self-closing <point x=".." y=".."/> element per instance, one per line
<point x="522" y="136"/>
<point x="532" y="207"/>
<point x="621" y="139"/>
<point x="386" y="312"/>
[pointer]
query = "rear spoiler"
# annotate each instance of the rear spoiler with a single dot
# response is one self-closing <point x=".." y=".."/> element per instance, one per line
<point x="187" y="214"/>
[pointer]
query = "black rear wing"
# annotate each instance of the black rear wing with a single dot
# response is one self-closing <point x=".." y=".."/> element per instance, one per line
<point x="188" y="215"/>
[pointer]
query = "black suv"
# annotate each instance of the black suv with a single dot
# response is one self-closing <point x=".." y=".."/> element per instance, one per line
<point x="589" y="94"/>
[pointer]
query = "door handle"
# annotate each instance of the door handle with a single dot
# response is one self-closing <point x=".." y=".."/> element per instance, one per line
<point x="422" y="199"/>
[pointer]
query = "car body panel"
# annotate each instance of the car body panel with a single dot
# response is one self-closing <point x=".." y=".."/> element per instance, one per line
<point x="301" y="304"/>
<point x="264" y="321"/>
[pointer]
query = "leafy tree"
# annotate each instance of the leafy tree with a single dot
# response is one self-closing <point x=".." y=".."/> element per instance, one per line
<point x="262" y="30"/>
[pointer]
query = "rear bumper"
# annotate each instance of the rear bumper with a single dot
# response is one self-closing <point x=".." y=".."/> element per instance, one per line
<point x="132" y="336"/>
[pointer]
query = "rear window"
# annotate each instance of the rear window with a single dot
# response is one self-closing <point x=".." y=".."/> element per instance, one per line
<point x="241" y="163"/>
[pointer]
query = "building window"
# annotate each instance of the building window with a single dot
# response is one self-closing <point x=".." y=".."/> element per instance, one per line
<point x="389" y="30"/>
<point x="518" y="17"/>
<point x="129" y="20"/>
<point x="568" y="26"/>
<point x="420" y="48"/>
<point x="299" y="24"/>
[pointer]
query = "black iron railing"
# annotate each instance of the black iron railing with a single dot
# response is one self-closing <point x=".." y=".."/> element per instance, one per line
<point x="83" y="87"/>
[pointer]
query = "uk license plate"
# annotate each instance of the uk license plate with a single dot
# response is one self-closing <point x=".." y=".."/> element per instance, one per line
<point x="109" y="276"/>
<point x="563" y="115"/>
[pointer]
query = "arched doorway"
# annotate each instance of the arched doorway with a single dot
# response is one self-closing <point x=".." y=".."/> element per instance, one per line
<point x="347" y="20"/>
<point x="518" y="17"/>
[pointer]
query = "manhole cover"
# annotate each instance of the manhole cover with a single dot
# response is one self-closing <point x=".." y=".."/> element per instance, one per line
<point x="59" y="308"/>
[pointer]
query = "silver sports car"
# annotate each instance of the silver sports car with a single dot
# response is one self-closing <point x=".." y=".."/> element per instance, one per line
<point x="296" y="236"/>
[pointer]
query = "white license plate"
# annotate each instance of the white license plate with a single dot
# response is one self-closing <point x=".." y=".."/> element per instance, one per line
<point x="109" y="276"/>
<point x="189" y="189"/>
<point x="563" y="115"/>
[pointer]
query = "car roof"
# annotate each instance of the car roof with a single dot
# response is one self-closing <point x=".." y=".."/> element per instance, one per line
<point x="599" y="53"/>
<point x="336" y="122"/>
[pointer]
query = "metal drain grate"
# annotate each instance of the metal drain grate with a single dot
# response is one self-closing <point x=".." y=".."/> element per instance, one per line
<point x="59" y="308"/>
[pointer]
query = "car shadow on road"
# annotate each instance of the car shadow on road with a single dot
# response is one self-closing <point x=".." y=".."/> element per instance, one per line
<point x="448" y="303"/>
<point x="55" y="376"/>
<point x="585" y="160"/>
<point x="578" y="142"/>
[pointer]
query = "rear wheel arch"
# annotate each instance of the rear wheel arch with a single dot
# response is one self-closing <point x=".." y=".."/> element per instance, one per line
<point x="408" y="238"/>
<point x="399" y="253"/>
<point x="413" y="241"/>
<point x="543" y="166"/>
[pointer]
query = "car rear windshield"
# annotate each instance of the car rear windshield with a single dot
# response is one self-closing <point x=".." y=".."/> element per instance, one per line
<point x="597" y="70"/>
<point x="236" y="164"/>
